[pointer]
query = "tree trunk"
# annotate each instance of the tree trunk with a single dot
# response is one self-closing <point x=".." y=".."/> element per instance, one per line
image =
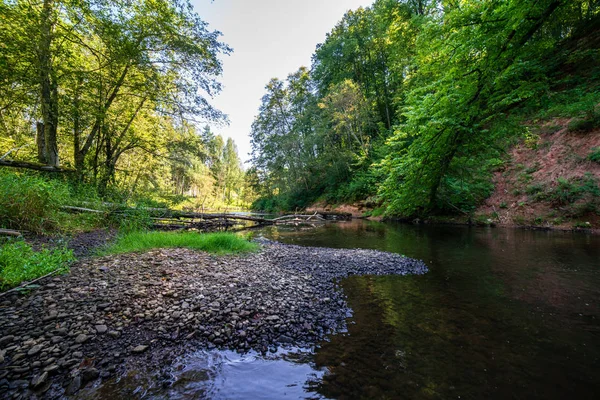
<point x="40" y="141"/>
<point x="48" y="86"/>
<point x="78" y="155"/>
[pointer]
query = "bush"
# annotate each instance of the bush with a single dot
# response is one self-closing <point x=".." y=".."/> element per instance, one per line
<point x="19" y="262"/>
<point x="30" y="202"/>
<point x="569" y="191"/>
<point x="594" y="155"/>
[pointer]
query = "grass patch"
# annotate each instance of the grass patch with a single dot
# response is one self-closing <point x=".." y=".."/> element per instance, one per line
<point x="30" y="202"/>
<point x="219" y="243"/>
<point x="19" y="262"/>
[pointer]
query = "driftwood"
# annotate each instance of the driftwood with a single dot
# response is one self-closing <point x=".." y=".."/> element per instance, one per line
<point x="9" y="232"/>
<point x="164" y="218"/>
<point x="34" y="166"/>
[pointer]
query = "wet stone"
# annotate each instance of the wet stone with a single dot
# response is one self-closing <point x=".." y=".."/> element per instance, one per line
<point x="89" y="374"/>
<point x="51" y="368"/>
<point x="74" y="386"/>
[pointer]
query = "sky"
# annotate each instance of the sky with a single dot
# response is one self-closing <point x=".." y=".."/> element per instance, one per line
<point x="270" y="38"/>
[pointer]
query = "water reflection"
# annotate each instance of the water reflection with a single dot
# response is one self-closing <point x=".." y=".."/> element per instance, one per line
<point x="286" y="374"/>
<point x="503" y="313"/>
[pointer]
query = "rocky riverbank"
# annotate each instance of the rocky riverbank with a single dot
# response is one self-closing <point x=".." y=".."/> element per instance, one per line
<point x="111" y="311"/>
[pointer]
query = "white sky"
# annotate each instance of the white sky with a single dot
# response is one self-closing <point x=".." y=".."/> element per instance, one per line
<point x="270" y="38"/>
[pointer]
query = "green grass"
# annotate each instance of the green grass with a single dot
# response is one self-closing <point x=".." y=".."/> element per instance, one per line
<point x="19" y="262"/>
<point x="219" y="243"/>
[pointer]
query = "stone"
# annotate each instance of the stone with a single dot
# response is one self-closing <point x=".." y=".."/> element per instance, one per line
<point x="74" y="386"/>
<point x="89" y="374"/>
<point x="51" y="368"/>
<point x="140" y="349"/>
<point x="101" y="328"/>
<point x="285" y="339"/>
<point x="81" y="338"/>
<point x="39" y="380"/>
<point x="34" y="350"/>
<point x="114" y="334"/>
<point x="6" y="339"/>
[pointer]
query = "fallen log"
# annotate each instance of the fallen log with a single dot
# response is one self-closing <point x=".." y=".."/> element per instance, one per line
<point x="10" y="232"/>
<point x="177" y="218"/>
<point x="81" y="209"/>
<point x="34" y="166"/>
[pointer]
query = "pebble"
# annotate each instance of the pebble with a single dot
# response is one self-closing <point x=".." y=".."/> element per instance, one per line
<point x="6" y="339"/>
<point x="34" y="350"/>
<point x="281" y="296"/>
<point x="81" y="338"/>
<point x="139" y="349"/>
<point x="39" y="380"/>
<point x="89" y="374"/>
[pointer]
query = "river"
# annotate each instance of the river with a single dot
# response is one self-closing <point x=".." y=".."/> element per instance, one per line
<point x="503" y="313"/>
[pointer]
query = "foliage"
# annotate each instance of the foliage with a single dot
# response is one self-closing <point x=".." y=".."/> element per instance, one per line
<point x="418" y="101"/>
<point x="19" y="262"/>
<point x="30" y="202"/>
<point x="594" y="155"/>
<point x="569" y="191"/>
<point x="117" y="91"/>
<point x="220" y="243"/>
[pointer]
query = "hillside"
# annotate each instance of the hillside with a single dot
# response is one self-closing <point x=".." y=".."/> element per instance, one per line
<point x="550" y="181"/>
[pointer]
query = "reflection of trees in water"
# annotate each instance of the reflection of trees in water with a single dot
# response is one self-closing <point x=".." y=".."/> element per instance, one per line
<point x="554" y="271"/>
<point x="497" y="316"/>
<point x="412" y="338"/>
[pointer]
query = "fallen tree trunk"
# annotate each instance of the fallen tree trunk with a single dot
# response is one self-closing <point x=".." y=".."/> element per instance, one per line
<point x="81" y="209"/>
<point x="10" y="232"/>
<point x="34" y="166"/>
<point x="176" y="219"/>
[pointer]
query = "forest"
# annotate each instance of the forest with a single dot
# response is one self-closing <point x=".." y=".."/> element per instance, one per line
<point x="141" y="257"/>
<point x="113" y="96"/>
<point x="412" y="106"/>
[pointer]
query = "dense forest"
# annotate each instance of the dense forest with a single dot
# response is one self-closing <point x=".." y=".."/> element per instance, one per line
<point x="413" y="105"/>
<point x="113" y="94"/>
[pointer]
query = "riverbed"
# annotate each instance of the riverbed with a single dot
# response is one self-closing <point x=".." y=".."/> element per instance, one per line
<point x="502" y="313"/>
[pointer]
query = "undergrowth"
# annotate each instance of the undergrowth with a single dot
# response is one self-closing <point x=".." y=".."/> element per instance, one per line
<point x="219" y="243"/>
<point x="19" y="262"/>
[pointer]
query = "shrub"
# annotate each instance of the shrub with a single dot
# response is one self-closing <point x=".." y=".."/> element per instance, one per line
<point x="569" y="191"/>
<point x="594" y="155"/>
<point x="19" y="262"/>
<point x="30" y="202"/>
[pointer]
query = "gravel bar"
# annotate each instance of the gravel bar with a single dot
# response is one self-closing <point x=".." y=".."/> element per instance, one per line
<point x="107" y="312"/>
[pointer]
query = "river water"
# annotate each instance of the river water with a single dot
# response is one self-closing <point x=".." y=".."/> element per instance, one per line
<point x="502" y="314"/>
